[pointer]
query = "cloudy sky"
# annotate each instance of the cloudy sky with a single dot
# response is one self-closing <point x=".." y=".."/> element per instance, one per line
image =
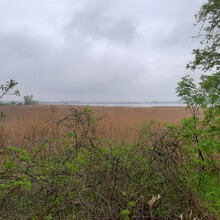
<point x="96" y="50"/>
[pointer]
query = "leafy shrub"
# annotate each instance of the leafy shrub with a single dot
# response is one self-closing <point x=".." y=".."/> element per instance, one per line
<point x="84" y="177"/>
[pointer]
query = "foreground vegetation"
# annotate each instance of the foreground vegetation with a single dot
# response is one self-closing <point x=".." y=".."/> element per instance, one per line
<point x="80" y="176"/>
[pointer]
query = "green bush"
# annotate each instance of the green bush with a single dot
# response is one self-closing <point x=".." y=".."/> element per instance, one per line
<point x="84" y="177"/>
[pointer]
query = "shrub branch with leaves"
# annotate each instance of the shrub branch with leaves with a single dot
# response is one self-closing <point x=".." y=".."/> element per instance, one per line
<point x="203" y="100"/>
<point x="7" y="89"/>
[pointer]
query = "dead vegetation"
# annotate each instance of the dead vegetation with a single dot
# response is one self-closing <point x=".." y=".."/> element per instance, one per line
<point x="117" y="123"/>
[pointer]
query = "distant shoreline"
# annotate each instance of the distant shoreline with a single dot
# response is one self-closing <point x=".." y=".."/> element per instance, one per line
<point x="118" y="104"/>
<point x="105" y="104"/>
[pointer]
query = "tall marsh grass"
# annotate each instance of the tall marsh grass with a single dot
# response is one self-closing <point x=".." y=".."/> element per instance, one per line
<point x="117" y="123"/>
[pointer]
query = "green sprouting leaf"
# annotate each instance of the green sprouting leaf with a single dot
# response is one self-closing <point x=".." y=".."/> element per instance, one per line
<point x="87" y="110"/>
<point x="82" y="156"/>
<point x="132" y="204"/>
<point x="41" y="178"/>
<point x="124" y="193"/>
<point x="11" y="148"/>
<point x="24" y="158"/>
<point x="72" y="167"/>
<point x="81" y="159"/>
<point x="4" y="186"/>
<point x="16" y="149"/>
<point x="49" y="217"/>
<point x="124" y="214"/>
<point x="9" y="165"/>
<point x="25" y="185"/>
<point x="70" y="134"/>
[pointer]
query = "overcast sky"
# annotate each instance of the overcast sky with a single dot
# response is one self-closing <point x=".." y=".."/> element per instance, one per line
<point x="96" y="50"/>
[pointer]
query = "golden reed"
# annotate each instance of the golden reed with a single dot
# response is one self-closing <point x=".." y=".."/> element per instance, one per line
<point x="117" y="123"/>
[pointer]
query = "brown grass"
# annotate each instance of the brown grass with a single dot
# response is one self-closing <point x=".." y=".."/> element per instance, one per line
<point x="118" y="123"/>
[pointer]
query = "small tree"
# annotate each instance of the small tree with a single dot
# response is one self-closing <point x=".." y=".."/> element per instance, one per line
<point x="204" y="130"/>
<point x="6" y="89"/>
<point x="207" y="56"/>
<point x="28" y="100"/>
<point x="206" y="93"/>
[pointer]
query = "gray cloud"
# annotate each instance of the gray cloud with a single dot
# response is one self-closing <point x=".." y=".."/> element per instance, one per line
<point x="97" y="50"/>
<point x="70" y="69"/>
<point x="96" y="22"/>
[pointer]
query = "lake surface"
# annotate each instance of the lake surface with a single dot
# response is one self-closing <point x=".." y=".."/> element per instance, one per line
<point x="159" y="104"/>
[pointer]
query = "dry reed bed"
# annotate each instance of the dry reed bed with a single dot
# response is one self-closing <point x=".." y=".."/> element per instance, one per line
<point x="117" y="123"/>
